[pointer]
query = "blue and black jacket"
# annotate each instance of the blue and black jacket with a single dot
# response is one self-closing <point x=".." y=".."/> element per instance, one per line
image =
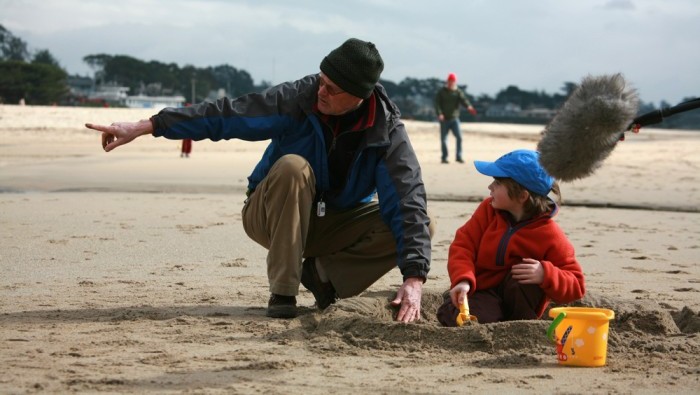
<point x="385" y="162"/>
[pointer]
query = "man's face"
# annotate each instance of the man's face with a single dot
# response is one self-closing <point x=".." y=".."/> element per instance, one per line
<point x="334" y="101"/>
<point x="451" y="84"/>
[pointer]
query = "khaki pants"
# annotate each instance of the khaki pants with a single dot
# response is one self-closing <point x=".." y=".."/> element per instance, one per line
<point x="355" y="247"/>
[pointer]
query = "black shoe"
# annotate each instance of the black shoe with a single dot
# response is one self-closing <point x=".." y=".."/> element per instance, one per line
<point x="324" y="293"/>
<point x="445" y="161"/>
<point x="460" y="161"/>
<point x="281" y="306"/>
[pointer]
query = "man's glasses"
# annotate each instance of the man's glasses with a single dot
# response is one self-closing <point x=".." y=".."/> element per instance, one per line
<point x="331" y="89"/>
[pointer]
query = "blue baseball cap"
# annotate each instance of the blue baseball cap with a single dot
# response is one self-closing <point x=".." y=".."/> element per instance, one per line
<point x="521" y="165"/>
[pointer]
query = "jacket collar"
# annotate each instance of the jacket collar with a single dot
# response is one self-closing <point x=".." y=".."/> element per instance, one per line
<point x="542" y="217"/>
<point x="362" y="118"/>
<point x="386" y="115"/>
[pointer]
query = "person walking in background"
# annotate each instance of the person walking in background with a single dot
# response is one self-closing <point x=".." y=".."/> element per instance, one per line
<point x="186" y="148"/>
<point x="447" y="104"/>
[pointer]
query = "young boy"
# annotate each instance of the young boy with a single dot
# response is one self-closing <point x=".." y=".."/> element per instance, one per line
<point x="511" y="258"/>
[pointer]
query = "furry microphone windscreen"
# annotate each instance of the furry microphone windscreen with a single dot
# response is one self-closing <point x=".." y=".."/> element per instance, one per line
<point x="588" y="126"/>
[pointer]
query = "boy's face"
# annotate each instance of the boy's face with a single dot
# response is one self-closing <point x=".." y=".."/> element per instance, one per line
<point x="501" y="199"/>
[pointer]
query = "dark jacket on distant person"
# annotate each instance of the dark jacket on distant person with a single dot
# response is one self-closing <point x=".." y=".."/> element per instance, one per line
<point x="448" y="102"/>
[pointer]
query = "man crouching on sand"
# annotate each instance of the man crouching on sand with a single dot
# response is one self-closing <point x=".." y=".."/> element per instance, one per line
<point x="336" y="140"/>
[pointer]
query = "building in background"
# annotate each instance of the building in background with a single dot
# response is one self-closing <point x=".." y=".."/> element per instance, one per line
<point x="155" y="102"/>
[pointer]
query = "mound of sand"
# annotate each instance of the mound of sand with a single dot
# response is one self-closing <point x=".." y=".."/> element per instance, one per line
<point x="640" y="329"/>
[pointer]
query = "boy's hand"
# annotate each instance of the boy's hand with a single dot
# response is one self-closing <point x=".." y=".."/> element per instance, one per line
<point x="459" y="292"/>
<point x="529" y="271"/>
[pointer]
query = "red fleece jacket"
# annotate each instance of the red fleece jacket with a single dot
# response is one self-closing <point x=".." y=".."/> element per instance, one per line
<point x="488" y="245"/>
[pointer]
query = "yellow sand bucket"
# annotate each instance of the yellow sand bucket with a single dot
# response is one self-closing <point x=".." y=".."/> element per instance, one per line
<point x="581" y="335"/>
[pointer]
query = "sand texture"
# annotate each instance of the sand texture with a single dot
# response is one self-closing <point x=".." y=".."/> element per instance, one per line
<point x="130" y="272"/>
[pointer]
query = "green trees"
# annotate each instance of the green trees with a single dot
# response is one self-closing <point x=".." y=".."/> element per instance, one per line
<point x="11" y="47"/>
<point x="37" y="79"/>
<point x="36" y="83"/>
<point x="139" y="75"/>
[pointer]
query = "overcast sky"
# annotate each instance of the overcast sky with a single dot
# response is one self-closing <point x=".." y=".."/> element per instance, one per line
<point x="490" y="44"/>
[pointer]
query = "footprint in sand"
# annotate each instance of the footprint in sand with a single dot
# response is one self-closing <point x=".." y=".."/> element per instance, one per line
<point x="676" y="272"/>
<point x="238" y="262"/>
<point x="188" y="229"/>
<point x="679" y="265"/>
<point x="637" y="269"/>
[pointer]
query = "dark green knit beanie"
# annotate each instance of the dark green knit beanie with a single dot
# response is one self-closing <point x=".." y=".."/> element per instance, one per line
<point x="354" y="66"/>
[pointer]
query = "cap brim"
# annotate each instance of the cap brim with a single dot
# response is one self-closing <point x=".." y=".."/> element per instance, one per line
<point x="489" y="169"/>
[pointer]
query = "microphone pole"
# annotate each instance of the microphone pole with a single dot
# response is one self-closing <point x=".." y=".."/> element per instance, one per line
<point x="657" y="116"/>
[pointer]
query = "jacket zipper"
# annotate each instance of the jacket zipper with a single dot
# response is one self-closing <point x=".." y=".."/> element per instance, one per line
<point x="321" y="205"/>
<point x="333" y="145"/>
<point x="503" y="244"/>
<point x="355" y="161"/>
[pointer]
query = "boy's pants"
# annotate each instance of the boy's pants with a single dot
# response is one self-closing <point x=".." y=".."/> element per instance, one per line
<point x="355" y="247"/>
<point x="507" y="302"/>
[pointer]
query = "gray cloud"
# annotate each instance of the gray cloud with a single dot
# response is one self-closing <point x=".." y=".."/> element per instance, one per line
<point x="489" y="44"/>
<point x="619" y="5"/>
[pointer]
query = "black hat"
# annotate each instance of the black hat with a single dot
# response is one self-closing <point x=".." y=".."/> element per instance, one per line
<point x="354" y="66"/>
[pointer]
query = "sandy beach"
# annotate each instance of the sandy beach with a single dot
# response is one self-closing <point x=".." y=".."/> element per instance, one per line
<point x="130" y="272"/>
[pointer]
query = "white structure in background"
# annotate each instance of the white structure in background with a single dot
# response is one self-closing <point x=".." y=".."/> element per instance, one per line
<point x="503" y="110"/>
<point x="110" y="93"/>
<point x="540" y="113"/>
<point x="156" y="102"/>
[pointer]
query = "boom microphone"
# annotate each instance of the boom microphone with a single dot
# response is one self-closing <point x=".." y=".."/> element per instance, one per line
<point x="588" y="126"/>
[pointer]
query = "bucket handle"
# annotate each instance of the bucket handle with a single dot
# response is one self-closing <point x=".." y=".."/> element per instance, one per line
<point x="554" y="324"/>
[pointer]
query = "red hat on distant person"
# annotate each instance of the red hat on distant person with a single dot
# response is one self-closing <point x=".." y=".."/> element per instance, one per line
<point x="452" y="77"/>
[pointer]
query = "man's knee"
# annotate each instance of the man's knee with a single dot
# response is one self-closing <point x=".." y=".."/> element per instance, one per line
<point x="293" y="167"/>
<point x="291" y="164"/>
